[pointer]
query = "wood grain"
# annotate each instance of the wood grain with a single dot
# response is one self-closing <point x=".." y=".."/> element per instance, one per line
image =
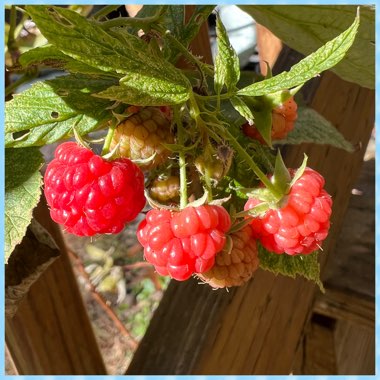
<point x="51" y="333"/>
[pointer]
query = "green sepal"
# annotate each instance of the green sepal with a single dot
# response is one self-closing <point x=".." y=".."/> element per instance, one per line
<point x="242" y="108"/>
<point x="299" y="171"/>
<point x="263" y="123"/>
<point x="281" y="176"/>
<point x="280" y="97"/>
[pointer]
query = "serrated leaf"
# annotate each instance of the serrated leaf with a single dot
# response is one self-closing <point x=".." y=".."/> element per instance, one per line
<point x="49" y="55"/>
<point x="199" y="16"/>
<point x="86" y="41"/>
<point x="298" y="265"/>
<point x="227" y="69"/>
<point x="242" y="108"/>
<point x="311" y="127"/>
<point x="22" y="192"/>
<point x="323" y="59"/>
<point x="48" y="111"/>
<point x="142" y="90"/>
<point x="305" y="27"/>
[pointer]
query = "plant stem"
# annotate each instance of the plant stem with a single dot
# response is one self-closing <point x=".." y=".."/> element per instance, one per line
<point x="134" y="21"/>
<point x="23" y="79"/>
<point x="181" y="159"/>
<point x="11" y="43"/>
<point x="248" y="159"/>
<point x="200" y="65"/>
<point x="104" y="11"/>
<point x="108" y="140"/>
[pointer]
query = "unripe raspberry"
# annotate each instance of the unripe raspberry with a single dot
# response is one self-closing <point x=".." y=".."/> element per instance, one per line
<point x="141" y="136"/>
<point x="89" y="195"/>
<point x="213" y="165"/>
<point x="302" y="222"/>
<point x="164" y="190"/>
<point x="283" y="118"/>
<point x="236" y="267"/>
<point x="181" y="243"/>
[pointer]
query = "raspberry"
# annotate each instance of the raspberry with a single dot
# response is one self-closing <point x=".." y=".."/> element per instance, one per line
<point x="236" y="267"/>
<point x="302" y="223"/>
<point x="141" y="135"/>
<point x="164" y="190"/>
<point x="283" y="118"/>
<point x="89" y="195"/>
<point x="181" y="243"/>
<point x="212" y="164"/>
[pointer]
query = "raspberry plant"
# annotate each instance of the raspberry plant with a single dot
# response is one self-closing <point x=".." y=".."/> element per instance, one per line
<point x="207" y="129"/>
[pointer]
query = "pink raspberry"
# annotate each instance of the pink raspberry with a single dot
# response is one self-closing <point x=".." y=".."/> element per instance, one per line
<point x="303" y="221"/>
<point x="89" y="195"/>
<point x="181" y="243"/>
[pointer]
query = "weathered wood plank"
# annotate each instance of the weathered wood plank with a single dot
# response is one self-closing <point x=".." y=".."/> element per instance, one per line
<point x="355" y="349"/>
<point x="347" y="306"/>
<point x="51" y="333"/>
<point x="316" y="354"/>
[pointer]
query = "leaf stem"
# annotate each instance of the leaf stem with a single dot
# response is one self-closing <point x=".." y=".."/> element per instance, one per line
<point x="181" y="159"/>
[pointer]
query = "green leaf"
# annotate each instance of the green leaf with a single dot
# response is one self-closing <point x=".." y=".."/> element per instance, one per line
<point x="49" y="55"/>
<point x="175" y="20"/>
<point x="48" y="111"/>
<point x="227" y="69"/>
<point x="306" y="27"/>
<point x="199" y="16"/>
<point x="85" y="41"/>
<point x="142" y="90"/>
<point x="22" y="192"/>
<point x="242" y="108"/>
<point x="311" y="127"/>
<point x="298" y="265"/>
<point x="323" y="59"/>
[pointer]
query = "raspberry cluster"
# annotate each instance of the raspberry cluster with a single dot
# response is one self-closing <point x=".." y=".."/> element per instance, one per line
<point x="185" y="242"/>
<point x="303" y="221"/>
<point x="89" y="195"/>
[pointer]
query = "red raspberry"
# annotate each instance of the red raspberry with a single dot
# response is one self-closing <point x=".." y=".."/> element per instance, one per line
<point x="236" y="267"/>
<point x="283" y="118"/>
<point x="89" y="195"/>
<point x="181" y="243"/>
<point x="302" y="223"/>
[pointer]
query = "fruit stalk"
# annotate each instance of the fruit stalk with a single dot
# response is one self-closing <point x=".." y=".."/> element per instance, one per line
<point x="181" y="159"/>
<point x="263" y="178"/>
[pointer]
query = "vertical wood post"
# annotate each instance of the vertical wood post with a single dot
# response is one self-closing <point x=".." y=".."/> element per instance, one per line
<point x="51" y="333"/>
